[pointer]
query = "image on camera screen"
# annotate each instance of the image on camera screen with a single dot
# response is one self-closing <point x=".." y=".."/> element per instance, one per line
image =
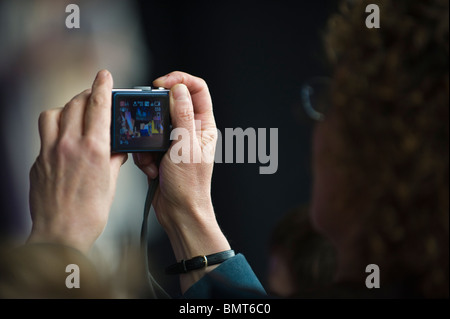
<point x="141" y="123"/>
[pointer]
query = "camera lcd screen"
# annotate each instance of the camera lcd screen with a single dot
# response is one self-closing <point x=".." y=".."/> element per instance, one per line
<point x="141" y="122"/>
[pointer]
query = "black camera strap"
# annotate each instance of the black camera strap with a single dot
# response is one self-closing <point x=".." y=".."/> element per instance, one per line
<point x="156" y="291"/>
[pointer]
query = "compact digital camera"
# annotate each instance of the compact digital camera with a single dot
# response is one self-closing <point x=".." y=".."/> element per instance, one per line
<point x="140" y="120"/>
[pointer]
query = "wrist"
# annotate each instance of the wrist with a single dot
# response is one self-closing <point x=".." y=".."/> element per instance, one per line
<point x="77" y="242"/>
<point x="195" y="233"/>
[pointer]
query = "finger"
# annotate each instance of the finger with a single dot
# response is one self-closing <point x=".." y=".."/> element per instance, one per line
<point x="181" y="108"/>
<point x="49" y="129"/>
<point x="72" y="116"/>
<point x="197" y="87"/>
<point x="147" y="162"/>
<point x="97" y="118"/>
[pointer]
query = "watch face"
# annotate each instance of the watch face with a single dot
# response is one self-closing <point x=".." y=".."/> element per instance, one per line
<point x="140" y="122"/>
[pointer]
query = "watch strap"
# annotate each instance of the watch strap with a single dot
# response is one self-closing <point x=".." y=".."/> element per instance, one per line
<point x="199" y="262"/>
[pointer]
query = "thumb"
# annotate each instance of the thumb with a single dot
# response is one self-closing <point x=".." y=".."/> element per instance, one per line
<point x="181" y="108"/>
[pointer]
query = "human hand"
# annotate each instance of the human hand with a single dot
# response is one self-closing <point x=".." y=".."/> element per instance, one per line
<point x="182" y="202"/>
<point x="73" y="181"/>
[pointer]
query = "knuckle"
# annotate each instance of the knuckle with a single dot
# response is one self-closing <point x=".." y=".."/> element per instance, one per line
<point x="69" y="149"/>
<point x="44" y="117"/>
<point x="79" y="99"/>
<point x="66" y="147"/>
<point x="185" y="114"/>
<point x="76" y="100"/>
<point x="91" y="144"/>
<point x="202" y="83"/>
<point x="179" y="75"/>
<point x="94" y="147"/>
<point x="47" y="115"/>
<point x="200" y="86"/>
<point x="97" y="99"/>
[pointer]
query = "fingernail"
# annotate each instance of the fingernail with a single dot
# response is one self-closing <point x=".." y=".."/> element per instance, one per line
<point x="102" y="74"/>
<point x="180" y="92"/>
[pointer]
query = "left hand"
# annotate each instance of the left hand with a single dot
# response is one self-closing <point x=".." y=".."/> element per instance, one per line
<point x="73" y="181"/>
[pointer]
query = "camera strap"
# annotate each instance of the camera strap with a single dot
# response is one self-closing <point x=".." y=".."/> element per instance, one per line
<point x="156" y="291"/>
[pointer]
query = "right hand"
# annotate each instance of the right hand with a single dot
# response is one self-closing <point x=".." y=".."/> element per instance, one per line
<point x="182" y="202"/>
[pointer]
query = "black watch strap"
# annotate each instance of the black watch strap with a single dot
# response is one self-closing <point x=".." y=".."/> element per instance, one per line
<point x="199" y="262"/>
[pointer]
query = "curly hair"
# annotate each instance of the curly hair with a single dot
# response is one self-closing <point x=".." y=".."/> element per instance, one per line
<point x="390" y="94"/>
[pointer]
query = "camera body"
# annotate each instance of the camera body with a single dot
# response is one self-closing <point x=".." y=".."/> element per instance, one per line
<point x="140" y="120"/>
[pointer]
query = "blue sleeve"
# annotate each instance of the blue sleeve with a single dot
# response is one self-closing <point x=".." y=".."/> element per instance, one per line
<point x="234" y="278"/>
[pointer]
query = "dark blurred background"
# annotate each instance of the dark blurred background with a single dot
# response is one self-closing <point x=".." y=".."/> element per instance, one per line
<point x="254" y="55"/>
